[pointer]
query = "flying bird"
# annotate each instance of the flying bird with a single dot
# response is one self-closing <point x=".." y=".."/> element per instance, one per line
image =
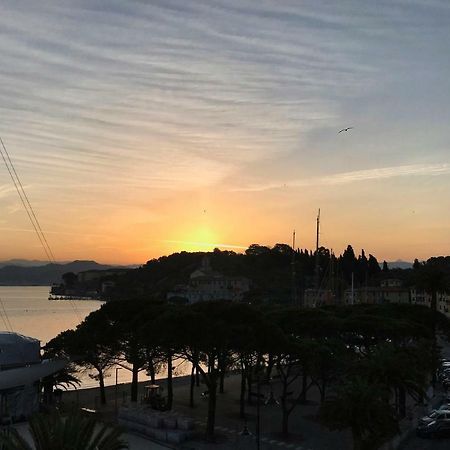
<point x="345" y="129"/>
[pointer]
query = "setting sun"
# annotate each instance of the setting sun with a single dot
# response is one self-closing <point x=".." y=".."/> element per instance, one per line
<point x="199" y="239"/>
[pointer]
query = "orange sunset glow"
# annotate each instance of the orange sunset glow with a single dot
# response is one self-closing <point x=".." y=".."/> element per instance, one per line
<point x="149" y="132"/>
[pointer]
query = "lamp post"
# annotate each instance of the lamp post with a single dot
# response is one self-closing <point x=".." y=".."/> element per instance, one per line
<point x="258" y="415"/>
<point x="271" y="401"/>
<point x="115" y="397"/>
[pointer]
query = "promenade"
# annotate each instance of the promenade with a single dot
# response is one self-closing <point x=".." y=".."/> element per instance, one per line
<point x="305" y="431"/>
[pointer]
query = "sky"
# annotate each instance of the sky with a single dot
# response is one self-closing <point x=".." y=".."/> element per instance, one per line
<point x="140" y="128"/>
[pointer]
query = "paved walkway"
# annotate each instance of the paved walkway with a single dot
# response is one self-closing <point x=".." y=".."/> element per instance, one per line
<point x="305" y="432"/>
<point x="136" y="442"/>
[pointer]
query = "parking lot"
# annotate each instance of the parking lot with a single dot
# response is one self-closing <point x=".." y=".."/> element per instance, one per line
<point x="416" y="443"/>
<point x="436" y="443"/>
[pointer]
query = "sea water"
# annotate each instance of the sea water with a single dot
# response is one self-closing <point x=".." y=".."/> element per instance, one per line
<point x="27" y="310"/>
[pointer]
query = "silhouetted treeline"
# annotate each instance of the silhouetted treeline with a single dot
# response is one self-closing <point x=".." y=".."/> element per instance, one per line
<point x="271" y="271"/>
<point x="364" y="359"/>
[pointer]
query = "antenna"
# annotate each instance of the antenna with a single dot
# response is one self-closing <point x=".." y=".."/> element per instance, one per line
<point x="317" y="250"/>
<point x="317" y="230"/>
<point x="294" y="284"/>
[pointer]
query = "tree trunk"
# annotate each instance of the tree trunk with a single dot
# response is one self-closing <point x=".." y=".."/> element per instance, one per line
<point x="322" y="393"/>
<point x="197" y="377"/>
<point x="191" y="391"/>
<point x="48" y="393"/>
<point x="285" y="421"/>
<point x="151" y="370"/>
<point x="134" y="382"/>
<point x="242" y="396"/>
<point x="435" y="346"/>
<point x="249" y="384"/>
<point x="270" y="364"/>
<point x="169" y="381"/>
<point x="101" y="381"/>
<point x="303" y="398"/>
<point x="284" y="409"/>
<point x="402" y="401"/>
<point x="222" y="381"/>
<point x="212" y="394"/>
<point x="357" y="441"/>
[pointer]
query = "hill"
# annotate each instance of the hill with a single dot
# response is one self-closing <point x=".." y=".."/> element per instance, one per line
<point x="44" y="275"/>
<point x="27" y="262"/>
<point x="399" y="264"/>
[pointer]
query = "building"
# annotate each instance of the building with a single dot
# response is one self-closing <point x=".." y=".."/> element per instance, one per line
<point x="107" y="286"/>
<point x="21" y="371"/>
<point x="206" y="284"/>
<point x="393" y="291"/>
<point x="318" y="297"/>
<point x="420" y="297"/>
<point x="389" y="291"/>
<point x="95" y="274"/>
<point x="366" y="295"/>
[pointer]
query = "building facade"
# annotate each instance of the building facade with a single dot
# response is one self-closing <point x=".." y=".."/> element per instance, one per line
<point x="21" y="372"/>
<point x="206" y="284"/>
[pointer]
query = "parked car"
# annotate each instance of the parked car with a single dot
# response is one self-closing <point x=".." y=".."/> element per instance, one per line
<point x="435" y="416"/>
<point x="435" y="428"/>
<point x="443" y="376"/>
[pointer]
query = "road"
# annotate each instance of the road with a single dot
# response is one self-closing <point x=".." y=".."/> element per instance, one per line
<point x="416" y="443"/>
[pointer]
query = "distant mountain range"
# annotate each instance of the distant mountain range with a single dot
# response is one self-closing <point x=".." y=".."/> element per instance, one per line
<point x="399" y="264"/>
<point x="27" y="263"/>
<point x="22" y="272"/>
<point x="26" y="273"/>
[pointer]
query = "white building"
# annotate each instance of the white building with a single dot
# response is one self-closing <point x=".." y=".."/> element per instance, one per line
<point x="389" y="291"/>
<point x="207" y="285"/>
<point x="318" y="297"/>
<point x="21" y="369"/>
<point x="420" y="297"/>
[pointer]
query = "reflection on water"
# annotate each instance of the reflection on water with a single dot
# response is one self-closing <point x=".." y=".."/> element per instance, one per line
<point x="29" y="312"/>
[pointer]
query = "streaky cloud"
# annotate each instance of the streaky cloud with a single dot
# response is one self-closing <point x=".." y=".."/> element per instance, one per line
<point x="357" y="176"/>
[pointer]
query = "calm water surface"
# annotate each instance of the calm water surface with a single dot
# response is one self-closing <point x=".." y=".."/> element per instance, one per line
<point x="31" y="313"/>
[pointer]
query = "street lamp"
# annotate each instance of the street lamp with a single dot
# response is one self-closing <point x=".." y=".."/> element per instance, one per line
<point x="258" y="409"/>
<point x="244" y="438"/>
<point x="270" y="401"/>
<point x="115" y="397"/>
<point x="258" y="413"/>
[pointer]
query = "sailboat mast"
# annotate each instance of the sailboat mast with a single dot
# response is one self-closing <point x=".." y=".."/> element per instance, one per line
<point x="317" y="251"/>
<point x="317" y="230"/>
<point x="294" y="284"/>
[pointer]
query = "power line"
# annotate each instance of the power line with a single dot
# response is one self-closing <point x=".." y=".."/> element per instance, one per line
<point x="28" y="202"/>
<point x="5" y="318"/>
<point x="22" y="199"/>
<point x="30" y="211"/>
<point x="6" y="315"/>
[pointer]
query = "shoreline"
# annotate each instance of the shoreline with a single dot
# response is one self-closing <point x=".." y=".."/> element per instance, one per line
<point x="90" y="396"/>
<point x="124" y="376"/>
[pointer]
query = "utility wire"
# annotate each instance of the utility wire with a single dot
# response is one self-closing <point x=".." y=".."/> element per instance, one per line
<point x="23" y="202"/>
<point x="28" y="203"/>
<point x="6" y="316"/>
<point x="30" y="211"/>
